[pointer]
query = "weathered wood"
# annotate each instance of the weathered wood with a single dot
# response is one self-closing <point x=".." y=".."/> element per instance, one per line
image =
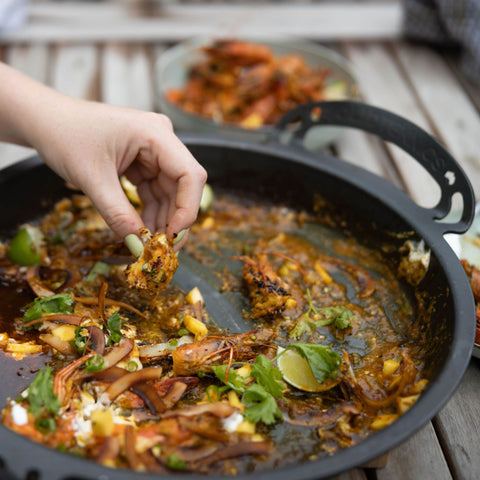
<point x="127" y="76"/>
<point x="458" y="426"/>
<point x="418" y="458"/>
<point x="75" y="71"/>
<point x="31" y="59"/>
<point x="455" y="120"/>
<point x="354" y="474"/>
<point x="74" y="21"/>
<point x="382" y="84"/>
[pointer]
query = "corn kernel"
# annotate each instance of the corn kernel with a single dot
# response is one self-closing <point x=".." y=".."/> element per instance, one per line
<point x="390" y="367"/>
<point x="244" y="371"/>
<point x="196" y="327"/>
<point x="252" y="121"/>
<point x="404" y="403"/>
<point x="323" y="273"/>
<point x="290" y="303"/>
<point x="419" y="386"/>
<point x="65" y="332"/>
<point x="383" y="421"/>
<point x="208" y="223"/>
<point x="3" y="338"/>
<point x="102" y="422"/>
<point x="23" y="348"/>
<point x="194" y="296"/>
<point x="246" y="427"/>
<point x="234" y="401"/>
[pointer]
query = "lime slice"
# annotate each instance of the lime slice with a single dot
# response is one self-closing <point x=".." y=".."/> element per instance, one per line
<point x="25" y="246"/>
<point x="297" y="372"/>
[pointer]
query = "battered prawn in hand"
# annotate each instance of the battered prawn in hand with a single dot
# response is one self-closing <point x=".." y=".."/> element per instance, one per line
<point x="156" y="263"/>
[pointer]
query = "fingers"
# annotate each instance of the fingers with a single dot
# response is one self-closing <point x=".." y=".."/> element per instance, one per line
<point x="187" y="200"/>
<point x="109" y="199"/>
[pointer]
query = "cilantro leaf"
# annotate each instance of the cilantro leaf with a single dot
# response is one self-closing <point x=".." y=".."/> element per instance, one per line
<point x="268" y="376"/>
<point x="234" y="381"/>
<point x="323" y="361"/>
<point x="260" y="406"/>
<point x="59" y="303"/>
<point x="174" y="462"/>
<point x="40" y="394"/>
<point x="100" y="268"/>
<point x="114" y="323"/>
<point x="338" y="316"/>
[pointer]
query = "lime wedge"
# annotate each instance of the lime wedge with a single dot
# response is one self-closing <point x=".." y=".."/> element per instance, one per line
<point x="25" y="246"/>
<point x="297" y="372"/>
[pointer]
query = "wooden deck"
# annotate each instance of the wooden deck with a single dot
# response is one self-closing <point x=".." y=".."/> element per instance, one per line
<point x="113" y="62"/>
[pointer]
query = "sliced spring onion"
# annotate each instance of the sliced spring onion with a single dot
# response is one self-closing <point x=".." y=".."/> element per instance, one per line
<point x="207" y="198"/>
<point x="134" y="244"/>
<point x="179" y="236"/>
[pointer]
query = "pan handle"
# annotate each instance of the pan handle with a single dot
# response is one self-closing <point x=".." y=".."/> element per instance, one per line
<point x="412" y="139"/>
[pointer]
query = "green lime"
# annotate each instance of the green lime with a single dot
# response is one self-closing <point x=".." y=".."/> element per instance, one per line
<point x="25" y="246"/>
<point x="297" y="372"/>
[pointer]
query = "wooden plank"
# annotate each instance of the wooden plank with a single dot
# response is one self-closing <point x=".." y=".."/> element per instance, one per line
<point x="127" y="76"/>
<point x="157" y="50"/>
<point x="458" y="426"/>
<point x="31" y="59"/>
<point x="73" y="21"/>
<point x="418" y="458"/>
<point x="75" y="71"/>
<point x="456" y="120"/>
<point x="367" y="152"/>
<point x="354" y="474"/>
<point x="382" y="83"/>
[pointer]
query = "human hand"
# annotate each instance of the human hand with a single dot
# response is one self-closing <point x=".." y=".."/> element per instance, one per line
<point x="91" y="144"/>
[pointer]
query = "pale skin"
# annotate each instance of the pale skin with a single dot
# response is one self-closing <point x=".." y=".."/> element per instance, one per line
<point x="90" y="144"/>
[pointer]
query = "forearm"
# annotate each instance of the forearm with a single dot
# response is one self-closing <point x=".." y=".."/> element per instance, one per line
<point x="26" y="107"/>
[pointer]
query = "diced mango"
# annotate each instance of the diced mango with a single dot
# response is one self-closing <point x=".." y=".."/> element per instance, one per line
<point x="290" y="303"/>
<point x="65" y="332"/>
<point x="383" y="421"/>
<point x="244" y="371"/>
<point x="254" y="120"/>
<point x="23" y="348"/>
<point x="323" y="273"/>
<point x="208" y="223"/>
<point x="390" y="367"/>
<point x="419" y="386"/>
<point x="194" y="296"/>
<point x="404" y="403"/>
<point x="102" y="422"/>
<point x="234" y="401"/>
<point x="246" y="427"/>
<point x="196" y="327"/>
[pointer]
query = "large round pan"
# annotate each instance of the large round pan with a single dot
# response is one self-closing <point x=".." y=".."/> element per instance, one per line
<point x="290" y="174"/>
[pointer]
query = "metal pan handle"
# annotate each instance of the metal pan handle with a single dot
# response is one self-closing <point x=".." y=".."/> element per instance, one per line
<point x="412" y="139"/>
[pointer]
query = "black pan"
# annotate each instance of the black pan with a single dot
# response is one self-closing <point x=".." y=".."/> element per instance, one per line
<point x="289" y="173"/>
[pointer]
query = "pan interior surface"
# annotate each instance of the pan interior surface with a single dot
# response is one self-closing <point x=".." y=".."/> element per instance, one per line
<point x="344" y="214"/>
